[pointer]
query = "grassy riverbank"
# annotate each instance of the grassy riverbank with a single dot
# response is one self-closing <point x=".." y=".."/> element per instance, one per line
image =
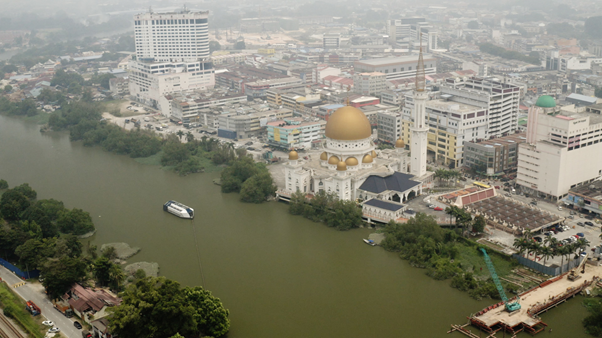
<point x="9" y="300"/>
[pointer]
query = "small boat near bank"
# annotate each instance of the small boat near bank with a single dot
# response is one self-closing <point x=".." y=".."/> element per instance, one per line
<point x="369" y="242"/>
<point x="178" y="209"/>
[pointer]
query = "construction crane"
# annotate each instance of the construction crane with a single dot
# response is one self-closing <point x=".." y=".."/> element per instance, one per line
<point x="573" y="274"/>
<point x="510" y="306"/>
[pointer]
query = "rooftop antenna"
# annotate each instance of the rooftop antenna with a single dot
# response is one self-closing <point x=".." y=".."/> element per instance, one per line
<point x="420" y="75"/>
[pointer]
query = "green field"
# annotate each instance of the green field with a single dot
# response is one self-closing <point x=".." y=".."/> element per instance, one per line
<point x="31" y="325"/>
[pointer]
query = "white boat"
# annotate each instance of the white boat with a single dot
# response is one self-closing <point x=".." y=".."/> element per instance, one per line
<point x="178" y="209"/>
<point x="369" y="242"/>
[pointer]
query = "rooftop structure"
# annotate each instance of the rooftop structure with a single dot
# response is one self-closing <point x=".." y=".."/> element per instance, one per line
<point x="396" y="68"/>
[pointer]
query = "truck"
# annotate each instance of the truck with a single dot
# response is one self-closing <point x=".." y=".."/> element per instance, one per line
<point x="63" y="307"/>
<point x="32" y="308"/>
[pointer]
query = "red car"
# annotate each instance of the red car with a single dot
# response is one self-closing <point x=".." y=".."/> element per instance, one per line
<point x="438" y="209"/>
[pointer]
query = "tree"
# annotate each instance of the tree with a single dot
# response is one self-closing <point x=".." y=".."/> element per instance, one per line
<point x="174" y="151"/>
<point x="473" y="24"/>
<point x="298" y="203"/>
<point x="236" y="174"/>
<point x="593" y="322"/>
<point x="240" y="45"/>
<point x="593" y="26"/>
<point x="479" y="224"/>
<point x="12" y="204"/>
<point x="189" y="137"/>
<point x="180" y="134"/>
<point x="3" y="184"/>
<point x="27" y="191"/>
<point x="76" y="221"/>
<point x="258" y="188"/>
<point x="159" y="307"/>
<point x="101" y="270"/>
<point x="8" y="89"/>
<point x="345" y="215"/>
<point x="60" y="274"/>
<point x="33" y="253"/>
<point x="213" y="46"/>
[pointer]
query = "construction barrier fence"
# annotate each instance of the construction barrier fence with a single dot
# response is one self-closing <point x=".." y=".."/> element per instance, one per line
<point x="548" y="270"/>
<point x="18" y="272"/>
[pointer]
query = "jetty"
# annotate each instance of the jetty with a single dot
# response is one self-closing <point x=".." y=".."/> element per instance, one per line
<point x="541" y="298"/>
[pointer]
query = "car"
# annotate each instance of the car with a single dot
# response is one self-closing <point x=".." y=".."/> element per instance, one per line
<point x="582" y="253"/>
<point x="250" y="148"/>
<point x="560" y="229"/>
<point x="538" y="239"/>
<point x="249" y="143"/>
<point x="508" y="194"/>
<point x="54" y="329"/>
<point x="77" y="325"/>
<point x="559" y="208"/>
<point x="48" y="323"/>
<point x="533" y="203"/>
<point x="548" y="233"/>
<point x="580" y="224"/>
<point x="572" y="212"/>
<point x="431" y="206"/>
<point x="590" y="217"/>
<point x="589" y="223"/>
<point x="438" y="209"/>
<point x="580" y="234"/>
<point x="571" y="217"/>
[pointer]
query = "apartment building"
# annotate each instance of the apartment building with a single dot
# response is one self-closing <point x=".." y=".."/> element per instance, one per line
<point x="295" y="133"/>
<point x="242" y="126"/>
<point x="369" y="83"/>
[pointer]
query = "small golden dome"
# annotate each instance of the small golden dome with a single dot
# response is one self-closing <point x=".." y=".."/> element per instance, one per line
<point x="399" y="143"/>
<point x="367" y="159"/>
<point x="341" y="166"/>
<point x="348" y="124"/>
<point x="373" y="154"/>
<point x="324" y="156"/>
<point x="351" y="161"/>
<point x="293" y="155"/>
<point x="333" y="160"/>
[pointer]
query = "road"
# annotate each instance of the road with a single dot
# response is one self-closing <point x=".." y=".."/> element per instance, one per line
<point x="48" y="311"/>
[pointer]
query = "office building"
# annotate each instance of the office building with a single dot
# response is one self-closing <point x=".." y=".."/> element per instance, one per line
<point x="493" y="157"/>
<point x="562" y="150"/>
<point x="407" y="33"/>
<point x="237" y="126"/>
<point x="500" y="100"/>
<point x="369" y="83"/>
<point x="396" y="68"/>
<point x="295" y="133"/>
<point x="331" y="40"/>
<point x="172" y="54"/>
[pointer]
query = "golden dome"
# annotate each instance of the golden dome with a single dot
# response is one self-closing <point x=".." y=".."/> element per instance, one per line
<point x="399" y="143"/>
<point x="351" y="161"/>
<point x="333" y="160"/>
<point x="348" y="124"/>
<point x="367" y="159"/>
<point x="373" y="154"/>
<point x="341" y="166"/>
<point x="293" y="155"/>
<point x="324" y="156"/>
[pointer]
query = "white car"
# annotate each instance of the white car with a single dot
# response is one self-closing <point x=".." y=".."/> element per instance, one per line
<point x="431" y="206"/>
<point x="48" y="323"/>
<point x="54" y="329"/>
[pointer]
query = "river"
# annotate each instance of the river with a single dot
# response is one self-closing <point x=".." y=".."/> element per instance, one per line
<point x="279" y="275"/>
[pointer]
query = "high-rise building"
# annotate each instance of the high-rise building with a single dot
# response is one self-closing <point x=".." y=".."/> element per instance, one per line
<point x="172" y="54"/>
<point x="562" y="150"/>
<point x="369" y="83"/>
<point x="331" y="40"/>
<point x="396" y="68"/>
<point x="408" y="32"/>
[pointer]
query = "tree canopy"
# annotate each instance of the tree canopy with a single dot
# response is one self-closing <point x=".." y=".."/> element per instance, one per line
<point x="159" y="307"/>
<point x="593" y="27"/>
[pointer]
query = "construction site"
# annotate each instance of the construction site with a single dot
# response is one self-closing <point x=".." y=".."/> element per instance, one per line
<point x="521" y="313"/>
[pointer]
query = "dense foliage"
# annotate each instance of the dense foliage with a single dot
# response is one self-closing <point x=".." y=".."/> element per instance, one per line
<point x="26" y="107"/>
<point x="593" y="27"/>
<point x="252" y="180"/>
<point x="159" y="307"/>
<point x="507" y="54"/>
<point x="423" y="243"/>
<point x="326" y="207"/>
<point x="593" y="322"/>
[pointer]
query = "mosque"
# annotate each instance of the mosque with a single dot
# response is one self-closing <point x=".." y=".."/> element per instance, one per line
<point x="352" y="168"/>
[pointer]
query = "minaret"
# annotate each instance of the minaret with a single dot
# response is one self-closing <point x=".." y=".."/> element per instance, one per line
<point x="420" y="129"/>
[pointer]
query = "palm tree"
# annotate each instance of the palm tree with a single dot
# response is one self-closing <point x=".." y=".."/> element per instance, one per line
<point x="519" y="244"/>
<point x="189" y="137"/>
<point x="546" y="252"/>
<point x="180" y="134"/>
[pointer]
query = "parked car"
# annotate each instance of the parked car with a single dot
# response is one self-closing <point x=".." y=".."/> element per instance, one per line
<point x="580" y="224"/>
<point x="438" y="209"/>
<point x="548" y="233"/>
<point x="538" y="239"/>
<point x="48" y="323"/>
<point x="581" y="234"/>
<point x="559" y="208"/>
<point x="589" y="223"/>
<point x="431" y="206"/>
<point x="571" y="217"/>
<point x="533" y="203"/>
<point x="590" y="217"/>
<point x="77" y="325"/>
<point x="54" y="329"/>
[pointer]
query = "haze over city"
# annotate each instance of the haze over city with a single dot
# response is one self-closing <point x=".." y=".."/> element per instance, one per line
<point x="300" y="169"/>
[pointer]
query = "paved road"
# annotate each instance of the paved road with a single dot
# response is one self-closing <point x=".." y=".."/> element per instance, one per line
<point x="48" y="311"/>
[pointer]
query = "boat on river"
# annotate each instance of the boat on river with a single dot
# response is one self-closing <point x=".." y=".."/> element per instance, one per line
<point x="178" y="209"/>
<point x="369" y="242"/>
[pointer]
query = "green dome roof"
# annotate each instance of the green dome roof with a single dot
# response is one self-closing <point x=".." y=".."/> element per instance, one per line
<point x="545" y="101"/>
